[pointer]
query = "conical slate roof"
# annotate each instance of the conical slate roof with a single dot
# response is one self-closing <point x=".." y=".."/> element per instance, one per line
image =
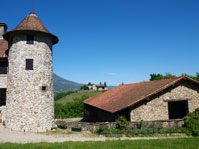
<point x="31" y="23"/>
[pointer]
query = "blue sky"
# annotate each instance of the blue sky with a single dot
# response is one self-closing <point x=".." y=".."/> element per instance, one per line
<point x="116" y="40"/>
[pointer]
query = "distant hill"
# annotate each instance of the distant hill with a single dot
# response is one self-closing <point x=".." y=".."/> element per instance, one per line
<point x="110" y="87"/>
<point x="75" y="95"/>
<point x="62" y="85"/>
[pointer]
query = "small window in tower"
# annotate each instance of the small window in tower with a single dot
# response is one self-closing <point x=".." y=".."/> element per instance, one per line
<point x="30" y="39"/>
<point x="43" y="88"/>
<point x="29" y="64"/>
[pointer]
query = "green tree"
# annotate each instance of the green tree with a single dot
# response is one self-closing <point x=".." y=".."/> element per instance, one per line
<point x="105" y="84"/>
<point x="193" y="77"/>
<point x="84" y="87"/>
<point x="160" y="76"/>
<point x="71" y="109"/>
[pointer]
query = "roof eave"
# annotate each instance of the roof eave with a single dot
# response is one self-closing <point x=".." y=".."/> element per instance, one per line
<point x="157" y="91"/>
<point x="8" y="34"/>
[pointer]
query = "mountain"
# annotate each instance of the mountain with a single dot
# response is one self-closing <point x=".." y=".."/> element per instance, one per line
<point x="62" y="85"/>
<point x="110" y="86"/>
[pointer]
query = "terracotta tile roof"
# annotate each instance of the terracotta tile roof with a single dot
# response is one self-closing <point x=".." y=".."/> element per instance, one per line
<point x="31" y="23"/>
<point x="3" y="47"/>
<point x="124" y="96"/>
<point x="98" y="85"/>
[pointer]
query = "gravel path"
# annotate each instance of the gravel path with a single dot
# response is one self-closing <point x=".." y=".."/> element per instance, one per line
<point x="6" y="135"/>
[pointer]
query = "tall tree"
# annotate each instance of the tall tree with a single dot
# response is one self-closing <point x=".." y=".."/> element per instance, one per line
<point x="105" y="84"/>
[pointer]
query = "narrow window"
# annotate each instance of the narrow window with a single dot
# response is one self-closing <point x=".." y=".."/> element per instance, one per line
<point x="2" y="96"/>
<point x="43" y="88"/>
<point x="29" y="64"/>
<point x="30" y="39"/>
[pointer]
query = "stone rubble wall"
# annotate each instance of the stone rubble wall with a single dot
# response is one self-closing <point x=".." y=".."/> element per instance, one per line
<point x="3" y="80"/>
<point x="157" y="109"/>
<point x="133" y="125"/>
<point x="28" y="107"/>
<point x="2" y="113"/>
<point x="3" y="84"/>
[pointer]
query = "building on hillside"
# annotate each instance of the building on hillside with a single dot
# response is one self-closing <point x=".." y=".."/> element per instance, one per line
<point x="97" y="87"/>
<point x="149" y="101"/>
<point x="26" y="78"/>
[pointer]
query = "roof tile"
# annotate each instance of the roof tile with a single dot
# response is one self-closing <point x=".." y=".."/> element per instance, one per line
<point x="3" y="47"/>
<point x="124" y="96"/>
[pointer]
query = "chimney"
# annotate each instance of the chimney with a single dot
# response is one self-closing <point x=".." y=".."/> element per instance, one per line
<point x="3" y="29"/>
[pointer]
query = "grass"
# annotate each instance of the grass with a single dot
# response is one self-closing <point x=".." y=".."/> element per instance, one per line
<point x="72" y="96"/>
<point x="127" y="144"/>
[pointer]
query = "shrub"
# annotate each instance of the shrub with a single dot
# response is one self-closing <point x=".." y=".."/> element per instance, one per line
<point x="192" y="123"/>
<point x="122" y="123"/>
<point x="71" y="109"/>
<point x="62" y="126"/>
<point x="100" y="129"/>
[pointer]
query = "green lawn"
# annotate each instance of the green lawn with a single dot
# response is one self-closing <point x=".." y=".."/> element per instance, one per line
<point x="72" y="96"/>
<point x="153" y="144"/>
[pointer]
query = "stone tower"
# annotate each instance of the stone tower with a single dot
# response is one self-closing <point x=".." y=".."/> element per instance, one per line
<point x="30" y="101"/>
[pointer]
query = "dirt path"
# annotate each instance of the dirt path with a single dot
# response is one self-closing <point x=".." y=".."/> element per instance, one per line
<point x="6" y="135"/>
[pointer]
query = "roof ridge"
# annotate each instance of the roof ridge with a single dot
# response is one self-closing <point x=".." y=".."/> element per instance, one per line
<point x="153" y="80"/>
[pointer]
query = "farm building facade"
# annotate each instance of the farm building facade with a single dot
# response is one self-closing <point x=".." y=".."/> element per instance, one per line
<point x="149" y="101"/>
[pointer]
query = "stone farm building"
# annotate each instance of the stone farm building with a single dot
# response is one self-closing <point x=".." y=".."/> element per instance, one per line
<point x="149" y="101"/>
<point x="26" y="79"/>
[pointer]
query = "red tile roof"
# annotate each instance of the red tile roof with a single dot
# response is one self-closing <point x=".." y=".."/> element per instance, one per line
<point x="124" y="96"/>
<point x="3" y="47"/>
<point x="31" y="23"/>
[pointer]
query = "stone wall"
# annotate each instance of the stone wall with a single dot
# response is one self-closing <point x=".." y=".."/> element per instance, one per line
<point x="2" y="113"/>
<point x="29" y="108"/>
<point x="3" y="80"/>
<point x="3" y="84"/>
<point x="133" y="125"/>
<point x="157" y="108"/>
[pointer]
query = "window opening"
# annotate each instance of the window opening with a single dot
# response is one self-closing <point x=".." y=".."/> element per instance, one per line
<point x="30" y="39"/>
<point x="178" y="109"/>
<point x="43" y="88"/>
<point x="29" y="64"/>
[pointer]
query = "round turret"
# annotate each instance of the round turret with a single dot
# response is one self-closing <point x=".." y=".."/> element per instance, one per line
<point x="30" y="98"/>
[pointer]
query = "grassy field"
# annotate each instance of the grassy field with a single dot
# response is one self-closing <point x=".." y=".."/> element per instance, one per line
<point x="72" y="96"/>
<point x="151" y="144"/>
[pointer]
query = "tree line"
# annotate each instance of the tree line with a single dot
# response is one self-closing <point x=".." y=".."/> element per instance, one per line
<point x="159" y="76"/>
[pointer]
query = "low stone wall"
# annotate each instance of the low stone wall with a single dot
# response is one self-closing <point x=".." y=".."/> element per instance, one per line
<point x="133" y="125"/>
